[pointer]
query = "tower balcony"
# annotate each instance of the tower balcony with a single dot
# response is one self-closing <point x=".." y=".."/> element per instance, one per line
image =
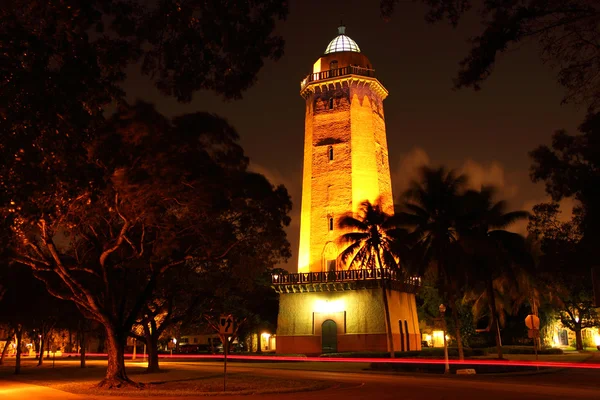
<point x="350" y="279"/>
<point x="336" y="73"/>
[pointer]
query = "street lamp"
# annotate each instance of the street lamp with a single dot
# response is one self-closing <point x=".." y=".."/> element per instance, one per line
<point x="442" y="309"/>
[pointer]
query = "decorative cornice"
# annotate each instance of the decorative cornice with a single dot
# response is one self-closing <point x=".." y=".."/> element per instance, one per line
<point x="373" y="84"/>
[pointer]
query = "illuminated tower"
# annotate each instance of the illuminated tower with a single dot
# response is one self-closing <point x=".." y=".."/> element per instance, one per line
<point x="345" y="149"/>
<point x="326" y="307"/>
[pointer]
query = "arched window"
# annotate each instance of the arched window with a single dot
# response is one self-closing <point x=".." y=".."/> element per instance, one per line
<point x="331" y="103"/>
<point x="330" y="153"/>
<point x="330" y="223"/>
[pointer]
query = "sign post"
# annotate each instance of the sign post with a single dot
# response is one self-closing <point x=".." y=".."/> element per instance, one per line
<point x="533" y="323"/>
<point x="226" y="328"/>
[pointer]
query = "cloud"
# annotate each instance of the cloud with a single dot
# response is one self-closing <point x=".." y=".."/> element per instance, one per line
<point x="408" y="169"/>
<point x="491" y="174"/>
<point x="479" y="174"/>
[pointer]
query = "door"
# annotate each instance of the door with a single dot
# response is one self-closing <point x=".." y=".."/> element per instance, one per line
<point x="329" y="337"/>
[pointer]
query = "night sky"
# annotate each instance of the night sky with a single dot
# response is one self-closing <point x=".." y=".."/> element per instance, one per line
<point x="486" y="134"/>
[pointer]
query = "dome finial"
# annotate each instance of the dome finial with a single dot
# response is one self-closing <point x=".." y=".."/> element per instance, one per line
<point x="341" y="29"/>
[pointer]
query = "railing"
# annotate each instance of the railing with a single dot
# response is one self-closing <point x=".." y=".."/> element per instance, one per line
<point x="348" y="275"/>
<point x="333" y="73"/>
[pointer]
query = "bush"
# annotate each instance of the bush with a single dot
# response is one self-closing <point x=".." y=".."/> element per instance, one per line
<point x="524" y="350"/>
<point x="431" y="352"/>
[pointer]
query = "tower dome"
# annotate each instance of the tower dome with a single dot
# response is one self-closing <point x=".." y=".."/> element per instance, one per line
<point x="342" y="43"/>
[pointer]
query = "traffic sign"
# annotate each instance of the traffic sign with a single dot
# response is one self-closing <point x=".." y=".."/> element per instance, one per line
<point x="226" y="325"/>
<point x="532" y="321"/>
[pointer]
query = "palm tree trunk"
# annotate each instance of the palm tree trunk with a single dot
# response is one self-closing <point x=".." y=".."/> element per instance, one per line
<point x="386" y="306"/>
<point x="495" y="326"/>
<point x="457" y="327"/>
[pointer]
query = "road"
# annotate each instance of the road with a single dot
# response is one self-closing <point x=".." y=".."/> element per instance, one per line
<point x="566" y="384"/>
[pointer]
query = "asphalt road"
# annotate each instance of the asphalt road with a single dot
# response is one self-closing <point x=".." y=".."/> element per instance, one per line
<point x="566" y="384"/>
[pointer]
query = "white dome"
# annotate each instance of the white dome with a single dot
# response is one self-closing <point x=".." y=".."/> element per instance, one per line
<point x="342" y="43"/>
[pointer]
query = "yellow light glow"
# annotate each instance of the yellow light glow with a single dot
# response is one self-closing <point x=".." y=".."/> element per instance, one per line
<point x="437" y="339"/>
<point x="597" y="339"/>
<point x="329" y="306"/>
<point x="265" y="335"/>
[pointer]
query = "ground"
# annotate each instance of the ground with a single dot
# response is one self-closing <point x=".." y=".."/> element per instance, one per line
<point x="344" y="381"/>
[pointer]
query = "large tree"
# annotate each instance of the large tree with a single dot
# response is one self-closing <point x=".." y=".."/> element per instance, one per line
<point x="62" y="64"/>
<point x="371" y="244"/>
<point x="430" y="209"/>
<point x="563" y="269"/>
<point x="166" y="193"/>
<point x="570" y="167"/>
<point x="566" y="31"/>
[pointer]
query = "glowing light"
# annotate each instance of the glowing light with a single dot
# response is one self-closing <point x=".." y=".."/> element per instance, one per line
<point x="437" y="339"/>
<point x="174" y="341"/>
<point x="342" y="43"/>
<point x="265" y="335"/>
<point x="329" y="306"/>
<point x="597" y="339"/>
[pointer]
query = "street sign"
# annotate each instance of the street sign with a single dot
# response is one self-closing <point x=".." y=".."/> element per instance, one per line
<point x="226" y="325"/>
<point x="532" y="322"/>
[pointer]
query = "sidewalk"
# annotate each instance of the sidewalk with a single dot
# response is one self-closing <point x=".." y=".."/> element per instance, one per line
<point x="20" y="391"/>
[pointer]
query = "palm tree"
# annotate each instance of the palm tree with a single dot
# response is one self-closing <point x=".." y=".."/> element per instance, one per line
<point x="371" y="245"/>
<point x="496" y="256"/>
<point x="430" y="209"/>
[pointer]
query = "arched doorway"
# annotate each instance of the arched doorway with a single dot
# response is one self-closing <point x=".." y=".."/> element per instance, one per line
<point x="329" y="337"/>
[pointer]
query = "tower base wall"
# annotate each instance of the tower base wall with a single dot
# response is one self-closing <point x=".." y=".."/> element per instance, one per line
<point x="356" y="320"/>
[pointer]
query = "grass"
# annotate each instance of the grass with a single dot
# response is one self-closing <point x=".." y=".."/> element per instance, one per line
<point x="172" y="381"/>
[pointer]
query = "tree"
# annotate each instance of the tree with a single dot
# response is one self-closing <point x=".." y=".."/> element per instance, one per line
<point x="371" y="245"/>
<point x="495" y="256"/>
<point x="571" y="168"/>
<point x="430" y="210"/>
<point x="567" y="32"/>
<point x="563" y="269"/>
<point x="169" y="193"/>
<point x="62" y="63"/>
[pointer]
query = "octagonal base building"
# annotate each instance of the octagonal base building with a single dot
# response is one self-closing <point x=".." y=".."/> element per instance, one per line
<point x="327" y="307"/>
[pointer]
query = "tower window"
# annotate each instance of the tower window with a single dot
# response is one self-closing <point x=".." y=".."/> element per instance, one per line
<point x="331" y="103"/>
<point x="330" y="153"/>
<point x="330" y="223"/>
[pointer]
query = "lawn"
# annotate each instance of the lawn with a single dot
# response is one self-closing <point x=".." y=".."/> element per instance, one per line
<point x="172" y="381"/>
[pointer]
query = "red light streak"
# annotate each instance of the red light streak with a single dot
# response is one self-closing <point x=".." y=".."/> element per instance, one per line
<point x="232" y="357"/>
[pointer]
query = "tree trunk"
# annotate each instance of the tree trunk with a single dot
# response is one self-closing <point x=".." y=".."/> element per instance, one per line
<point x="41" y="357"/>
<point x="5" y="349"/>
<point x="386" y="306"/>
<point x="578" y="338"/>
<point x="495" y="326"/>
<point x="152" y="347"/>
<point x="258" y="343"/>
<point x="116" y="376"/>
<point x="457" y="326"/>
<point x="82" y="345"/>
<point x="18" y="334"/>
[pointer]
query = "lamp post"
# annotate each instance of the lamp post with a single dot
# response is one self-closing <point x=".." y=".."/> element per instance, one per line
<point x="442" y="309"/>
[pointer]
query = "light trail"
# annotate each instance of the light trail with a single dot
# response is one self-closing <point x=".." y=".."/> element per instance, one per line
<point x="232" y="357"/>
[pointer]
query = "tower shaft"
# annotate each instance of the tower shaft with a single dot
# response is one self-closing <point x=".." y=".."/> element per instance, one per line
<point x="345" y="157"/>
